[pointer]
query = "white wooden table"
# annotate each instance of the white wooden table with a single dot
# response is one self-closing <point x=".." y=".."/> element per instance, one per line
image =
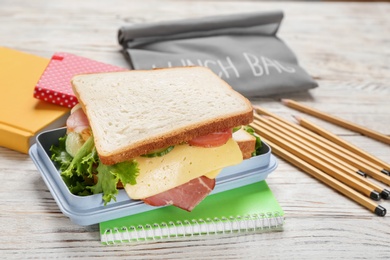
<point x="344" y="46"/>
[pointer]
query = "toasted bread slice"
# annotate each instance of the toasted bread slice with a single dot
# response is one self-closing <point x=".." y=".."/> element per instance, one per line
<point x="246" y="142"/>
<point x="134" y="112"/>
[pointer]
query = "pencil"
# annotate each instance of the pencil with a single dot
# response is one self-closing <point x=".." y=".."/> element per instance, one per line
<point x="335" y="139"/>
<point x="263" y="111"/>
<point x="374" y="173"/>
<point x="295" y="134"/>
<point x="338" y="121"/>
<point x="286" y="132"/>
<point x="339" y="151"/>
<point x="299" y="150"/>
<point x="328" y="180"/>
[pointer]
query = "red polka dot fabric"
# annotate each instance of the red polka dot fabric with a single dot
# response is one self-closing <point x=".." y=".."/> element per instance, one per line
<point x="54" y="85"/>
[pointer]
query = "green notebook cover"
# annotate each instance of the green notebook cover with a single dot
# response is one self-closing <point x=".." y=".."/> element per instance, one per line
<point x="248" y="208"/>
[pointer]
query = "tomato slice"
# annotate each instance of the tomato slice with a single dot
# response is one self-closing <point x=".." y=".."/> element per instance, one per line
<point x="212" y="140"/>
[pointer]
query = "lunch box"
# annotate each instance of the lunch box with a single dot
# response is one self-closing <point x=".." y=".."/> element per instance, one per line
<point x="88" y="210"/>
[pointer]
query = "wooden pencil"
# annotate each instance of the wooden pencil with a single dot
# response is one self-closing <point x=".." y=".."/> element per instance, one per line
<point x="335" y="139"/>
<point x="299" y="150"/>
<point x="328" y="180"/>
<point x="295" y="134"/>
<point x="333" y="148"/>
<point x="338" y="121"/>
<point x="374" y="173"/>
<point x="335" y="163"/>
<point x="263" y="111"/>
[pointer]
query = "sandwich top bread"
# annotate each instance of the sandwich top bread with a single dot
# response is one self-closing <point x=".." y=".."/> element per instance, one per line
<point x="134" y="112"/>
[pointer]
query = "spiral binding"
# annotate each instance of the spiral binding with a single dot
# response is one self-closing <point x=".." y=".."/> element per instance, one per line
<point x="200" y="227"/>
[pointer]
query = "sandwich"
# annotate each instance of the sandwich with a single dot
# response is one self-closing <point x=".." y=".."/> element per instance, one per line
<point x="163" y="135"/>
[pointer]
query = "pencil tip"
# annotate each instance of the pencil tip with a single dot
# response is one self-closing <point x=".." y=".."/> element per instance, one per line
<point x="256" y="108"/>
<point x="385" y="194"/>
<point x="385" y="172"/>
<point x="298" y="118"/>
<point x="380" y="211"/>
<point x="284" y="101"/>
<point x="361" y="173"/>
<point x="375" y="195"/>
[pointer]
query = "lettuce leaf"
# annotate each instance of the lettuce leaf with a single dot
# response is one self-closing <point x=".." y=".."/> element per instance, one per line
<point x="78" y="172"/>
<point x="59" y="154"/>
<point x="81" y="161"/>
<point x="109" y="175"/>
<point x="106" y="184"/>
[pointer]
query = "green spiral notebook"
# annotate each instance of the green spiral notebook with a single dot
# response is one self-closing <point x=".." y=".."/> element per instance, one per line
<point x="251" y="208"/>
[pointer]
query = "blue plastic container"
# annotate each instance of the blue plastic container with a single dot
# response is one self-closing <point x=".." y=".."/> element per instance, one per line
<point x="88" y="210"/>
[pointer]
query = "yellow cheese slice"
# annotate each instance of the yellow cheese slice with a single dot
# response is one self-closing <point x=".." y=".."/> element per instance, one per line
<point x="212" y="174"/>
<point x="182" y="164"/>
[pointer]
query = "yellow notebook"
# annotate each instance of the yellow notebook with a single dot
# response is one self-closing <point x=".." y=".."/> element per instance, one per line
<point x="22" y="116"/>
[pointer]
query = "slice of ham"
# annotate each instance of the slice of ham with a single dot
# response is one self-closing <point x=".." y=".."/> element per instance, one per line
<point x="185" y="196"/>
<point x="77" y="121"/>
